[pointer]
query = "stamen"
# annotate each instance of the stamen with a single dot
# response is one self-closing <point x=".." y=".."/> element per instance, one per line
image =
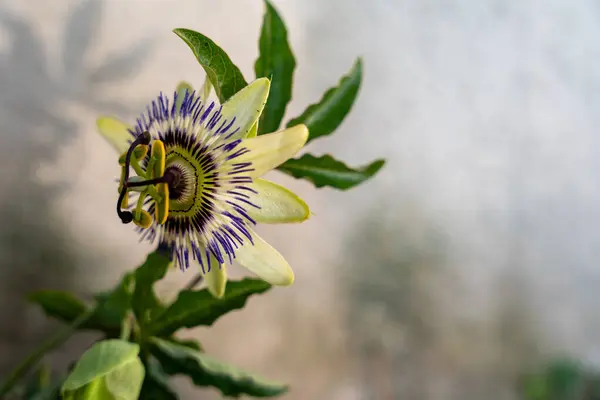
<point x="143" y="139"/>
<point x="166" y="178"/>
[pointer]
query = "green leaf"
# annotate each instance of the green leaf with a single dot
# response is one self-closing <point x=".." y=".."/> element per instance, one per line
<point x="51" y="392"/>
<point x="126" y="382"/>
<point x="325" y="116"/>
<point x="112" y="307"/>
<point x="99" y="360"/>
<point x="63" y="306"/>
<point x="194" y="308"/>
<point x="109" y="311"/>
<point x="156" y="383"/>
<point x="276" y="61"/>
<point x="224" y="75"/>
<point x="95" y="390"/>
<point x="206" y="371"/>
<point x="191" y="343"/>
<point x="564" y="377"/>
<point x="145" y="304"/>
<point x="327" y="171"/>
<point x="110" y="369"/>
<point x="40" y="384"/>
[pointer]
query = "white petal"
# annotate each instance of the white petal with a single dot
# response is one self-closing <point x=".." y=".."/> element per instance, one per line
<point x="269" y="151"/>
<point x="216" y="279"/>
<point x="115" y="132"/>
<point x="277" y="204"/>
<point x="246" y="106"/>
<point x="265" y="261"/>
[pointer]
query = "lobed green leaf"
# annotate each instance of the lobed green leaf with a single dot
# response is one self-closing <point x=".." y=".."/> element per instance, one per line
<point x="327" y="171"/>
<point x="109" y="311"/>
<point x="144" y="302"/>
<point x="325" y="116"/>
<point x="63" y="306"/>
<point x="198" y="307"/>
<point x="113" y="307"/>
<point x="156" y="383"/>
<point x="276" y="62"/>
<point x="207" y="371"/>
<point x="226" y="78"/>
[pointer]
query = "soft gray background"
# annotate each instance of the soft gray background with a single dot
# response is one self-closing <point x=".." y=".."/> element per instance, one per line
<point x="470" y="256"/>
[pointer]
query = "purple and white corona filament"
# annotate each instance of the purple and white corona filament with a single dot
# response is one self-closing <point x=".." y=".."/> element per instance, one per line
<point x="197" y="186"/>
<point x="208" y="200"/>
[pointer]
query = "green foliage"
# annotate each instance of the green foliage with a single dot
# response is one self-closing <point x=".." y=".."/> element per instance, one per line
<point x="51" y="392"/>
<point x="195" y="308"/>
<point x="41" y="385"/>
<point x="191" y="343"/>
<point x="144" y="302"/>
<point x="107" y="313"/>
<point x="224" y="75"/>
<point x="327" y="171"/>
<point x="112" y="307"/>
<point x="147" y="352"/>
<point x="322" y="119"/>
<point x="109" y="370"/>
<point x="325" y="116"/>
<point x="156" y="385"/>
<point x="63" y="306"/>
<point x="562" y="379"/>
<point x="206" y="371"/>
<point x="276" y="61"/>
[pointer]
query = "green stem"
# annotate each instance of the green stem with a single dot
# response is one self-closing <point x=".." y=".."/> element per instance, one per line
<point x="140" y="204"/>
<point x="136" y="167"/>
<point x="34" y="357"/>
<point x="126" y="326"/>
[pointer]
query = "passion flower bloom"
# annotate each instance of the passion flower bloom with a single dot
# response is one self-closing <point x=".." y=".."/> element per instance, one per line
<point x="197" y="187"/>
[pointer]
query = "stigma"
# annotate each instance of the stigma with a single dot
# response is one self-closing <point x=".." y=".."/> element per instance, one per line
<point x="152" y="181"/>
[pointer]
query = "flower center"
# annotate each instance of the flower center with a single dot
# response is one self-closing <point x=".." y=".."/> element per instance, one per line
<point x="186" y="187"/>
<point x="194" y="193"/>
<point x="178" y="183"/>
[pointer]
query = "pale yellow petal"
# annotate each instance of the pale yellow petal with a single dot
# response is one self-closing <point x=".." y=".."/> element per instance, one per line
<point x="277" y="204"/>
<point x="181" y="89"/>
<point x="216" y="279"/>
<point x="253" y="131"/>
<point x="206" y="90"/>
<point x="266" y="152"/>
<point x="266" y="262"/>
<point x="246" y="106"/>
<point x="115" y="132"/>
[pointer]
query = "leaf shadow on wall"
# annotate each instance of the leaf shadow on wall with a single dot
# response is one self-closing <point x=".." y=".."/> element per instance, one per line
<point x="35" y="251"/>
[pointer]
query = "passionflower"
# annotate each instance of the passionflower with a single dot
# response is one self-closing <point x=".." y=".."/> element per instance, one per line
<point x="191" y="179"/>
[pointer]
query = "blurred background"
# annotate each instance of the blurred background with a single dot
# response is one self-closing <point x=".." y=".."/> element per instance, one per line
<point x="471" y="259"/>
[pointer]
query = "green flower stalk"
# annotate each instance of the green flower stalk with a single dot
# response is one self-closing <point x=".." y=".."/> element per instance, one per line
<point x="197" y="187"/>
